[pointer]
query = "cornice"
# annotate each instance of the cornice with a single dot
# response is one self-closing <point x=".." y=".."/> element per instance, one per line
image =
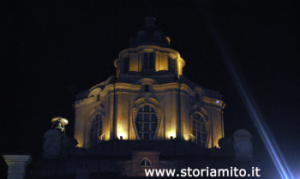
<point x="214" y="102"/>
<point x="152" y="47"/>
<point x="17" y="158"/>
<point x="187" y="89"/>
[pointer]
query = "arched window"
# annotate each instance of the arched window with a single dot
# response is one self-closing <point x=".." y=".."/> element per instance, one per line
<point x="146" y="122"/>
<point x="145" y="163"/>
<point x="96" y="130"/>
<point x="199" y="130"/>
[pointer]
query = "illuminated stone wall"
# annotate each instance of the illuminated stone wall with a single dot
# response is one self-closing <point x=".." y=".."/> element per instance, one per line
<point x="120" y="101"/>
<point x="162" y="55"/>
<point x="149" y="73"/>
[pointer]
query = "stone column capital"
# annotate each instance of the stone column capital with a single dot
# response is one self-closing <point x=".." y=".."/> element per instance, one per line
<point x="16" y="165"/>
<point x="17" y="158"/>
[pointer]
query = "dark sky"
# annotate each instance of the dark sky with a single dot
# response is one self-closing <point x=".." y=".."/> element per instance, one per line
<point x="51" y="50"/>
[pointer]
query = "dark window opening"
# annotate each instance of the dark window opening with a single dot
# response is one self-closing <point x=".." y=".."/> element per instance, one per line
<point x="145" y="163"/>
<point x="126" y="65"/>
<point x="171" y="65"/>
<point x="96" y="131"/>
<point x="199" y="130"/>
<point x="149" y="62"/>
<point x="146" y="88"/>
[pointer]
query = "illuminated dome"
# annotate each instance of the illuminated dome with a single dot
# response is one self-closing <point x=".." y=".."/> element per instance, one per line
<point x="149" y="99"/>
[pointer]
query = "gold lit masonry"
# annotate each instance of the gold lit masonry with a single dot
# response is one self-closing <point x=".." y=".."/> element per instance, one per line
<point x="149" y="99"/>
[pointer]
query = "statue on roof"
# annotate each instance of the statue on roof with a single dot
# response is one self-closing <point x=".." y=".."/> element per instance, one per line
<point x="62" y="122"/>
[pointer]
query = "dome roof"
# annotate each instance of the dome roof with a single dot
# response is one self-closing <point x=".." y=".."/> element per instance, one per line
<point x="150" y="35"/>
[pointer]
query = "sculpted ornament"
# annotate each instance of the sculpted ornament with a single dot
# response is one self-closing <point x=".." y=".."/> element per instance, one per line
<point x="52" y="144"/>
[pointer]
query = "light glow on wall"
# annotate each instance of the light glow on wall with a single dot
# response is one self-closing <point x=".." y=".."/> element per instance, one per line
<point x="186" y="137"/>
<point x="171" y="134"/>
<point x="122" y="133"/>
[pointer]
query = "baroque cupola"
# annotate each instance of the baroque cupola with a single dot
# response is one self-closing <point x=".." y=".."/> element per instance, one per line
<point x="151" y="100"/>
<point x="149" y="53"/>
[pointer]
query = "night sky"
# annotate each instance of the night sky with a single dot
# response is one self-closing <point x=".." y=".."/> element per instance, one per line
<point x="51" y="50"/>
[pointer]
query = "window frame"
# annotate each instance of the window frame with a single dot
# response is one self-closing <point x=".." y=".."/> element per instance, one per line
<point x="146" y="119"/>
<point x="199" y="129"/>
<point x="145" y="159"/>
<point x="148" y="61"/>
<point x="96" y="129"/>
